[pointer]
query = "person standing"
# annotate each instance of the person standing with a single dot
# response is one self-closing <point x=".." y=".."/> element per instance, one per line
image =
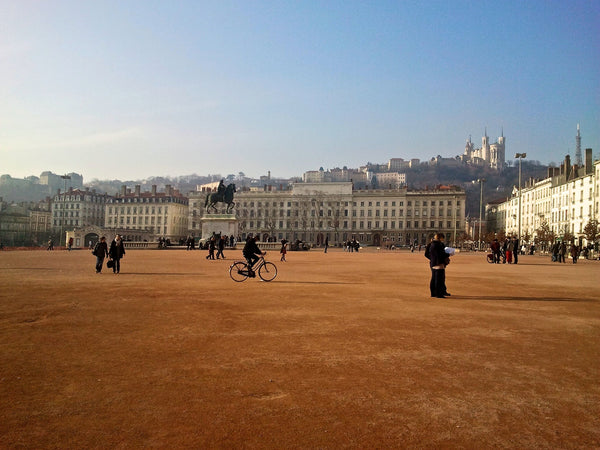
<point x="495" y="247"/>
<point x="562" y="253"/>
<point x="516" y="249"/>
<point x="116" y="252"/>
<point x="100" y="252"/>
<point x="509" y="250"/>
<point x="574" y="252"/>
<point x="326" y="243"/>
<point x="438" y="259"/>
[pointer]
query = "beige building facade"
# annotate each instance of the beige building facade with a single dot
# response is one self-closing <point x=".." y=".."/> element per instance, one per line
<point x="566" y="201"/>
<point x="312" y="212"/>
<point x="161" y="214"/>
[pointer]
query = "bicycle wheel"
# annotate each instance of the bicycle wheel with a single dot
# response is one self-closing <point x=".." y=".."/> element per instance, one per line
<point x="238" y="271"/>
<point x="268" y="271"/>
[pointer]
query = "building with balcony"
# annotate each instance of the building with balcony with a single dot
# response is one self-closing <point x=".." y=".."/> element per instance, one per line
<point x="312" y="212"/>
<point x="565" y="201"/>
<point x="161" y="214"/>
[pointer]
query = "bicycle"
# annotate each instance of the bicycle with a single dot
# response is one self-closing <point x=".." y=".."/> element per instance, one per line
<point x="267" y="271"/>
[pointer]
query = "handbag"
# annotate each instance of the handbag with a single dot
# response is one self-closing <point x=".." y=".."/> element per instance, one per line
<point x="110" y="264"/>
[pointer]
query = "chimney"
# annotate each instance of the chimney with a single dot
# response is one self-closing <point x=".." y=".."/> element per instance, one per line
<point x="567" y="167"/>
<point x="137" y="190"/>
<point x="589" y="167"/>
<point x="154" y="190"/>
<point x="168" y="189"/>
<point x="123" y="191"/>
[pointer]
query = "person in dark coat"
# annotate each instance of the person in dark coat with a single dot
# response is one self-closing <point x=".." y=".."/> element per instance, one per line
<point x="251" y="252"/>
<point x="100" y="252"/>
<point x="211" y="248"/>
<point x="438" y="259"/>
<point x="221" y="247"/>
<point x="116" y="252"/>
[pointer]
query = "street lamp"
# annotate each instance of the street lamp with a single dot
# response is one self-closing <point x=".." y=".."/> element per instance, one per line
<point x="520" y="156"/>
<point x="62" y="222"/>
<point x="480" y="181"/>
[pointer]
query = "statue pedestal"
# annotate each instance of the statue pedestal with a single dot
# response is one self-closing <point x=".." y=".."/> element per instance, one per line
<point x="224" y="224"/>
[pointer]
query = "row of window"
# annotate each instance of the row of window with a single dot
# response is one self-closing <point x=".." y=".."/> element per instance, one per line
<point x="361" y="213"/>
<point x="135" y="210"/>
<point x="409" y="224"/>
<point x="425" y="203"/>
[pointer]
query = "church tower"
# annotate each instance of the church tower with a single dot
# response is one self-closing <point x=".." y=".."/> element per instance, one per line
<point x="485" y="147"/>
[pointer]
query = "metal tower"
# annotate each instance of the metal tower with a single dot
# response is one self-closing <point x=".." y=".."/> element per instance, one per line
<point x="578" y="159"/>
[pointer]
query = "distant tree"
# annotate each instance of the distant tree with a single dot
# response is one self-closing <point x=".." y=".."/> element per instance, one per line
<point x="544" y="236"/>
<point x="592" y="231"/>
<point x="566" y="235"/>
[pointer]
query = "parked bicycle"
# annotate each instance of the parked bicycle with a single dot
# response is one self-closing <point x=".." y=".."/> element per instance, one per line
<point x="267" y="271"/>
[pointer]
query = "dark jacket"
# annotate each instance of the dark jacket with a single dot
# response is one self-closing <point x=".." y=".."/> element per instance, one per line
<point x="117" y="251"/>
<point x="436" y="253"/>
<point x="251" y="248"/>
<point x="101" y="249"/>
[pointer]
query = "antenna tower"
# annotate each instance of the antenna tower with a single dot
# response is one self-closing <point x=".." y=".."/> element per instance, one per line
<point x="578" y="160"/>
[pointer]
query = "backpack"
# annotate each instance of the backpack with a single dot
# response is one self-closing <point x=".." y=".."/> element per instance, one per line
<point x="96" y="248"/>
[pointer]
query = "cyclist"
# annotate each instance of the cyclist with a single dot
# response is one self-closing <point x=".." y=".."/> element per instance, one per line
<point x="250" y="252"/>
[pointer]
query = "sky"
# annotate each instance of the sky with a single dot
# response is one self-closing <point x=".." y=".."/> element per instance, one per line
<point x="130" y="89"/>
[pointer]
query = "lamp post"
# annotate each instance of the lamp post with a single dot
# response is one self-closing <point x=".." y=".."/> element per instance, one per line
<point x="520" y="156"/>
<point x="480" y="181"/>
<point x="62" y="222"/>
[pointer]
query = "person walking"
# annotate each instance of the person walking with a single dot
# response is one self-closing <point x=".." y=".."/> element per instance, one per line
<point x="221" y="247"/>
<point x="100" y="252"/>
<point x="326" y="243"/>
<point x="438" y="260"/>
<point x="116" y="253"/>
<point x="211" y="248"/>
<point x="283" y="250"/>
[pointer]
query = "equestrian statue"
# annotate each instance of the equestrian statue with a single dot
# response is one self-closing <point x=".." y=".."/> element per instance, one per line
<point x="223" y="195"/>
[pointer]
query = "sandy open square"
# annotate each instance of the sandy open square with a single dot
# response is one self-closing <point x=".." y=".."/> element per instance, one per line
<point x="339" y="351"/>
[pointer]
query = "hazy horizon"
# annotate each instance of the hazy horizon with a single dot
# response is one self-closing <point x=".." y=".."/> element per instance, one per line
<point x="134" y="89"/>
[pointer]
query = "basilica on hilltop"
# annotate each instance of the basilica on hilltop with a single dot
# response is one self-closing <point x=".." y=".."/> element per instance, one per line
<point x="489" y="155"/>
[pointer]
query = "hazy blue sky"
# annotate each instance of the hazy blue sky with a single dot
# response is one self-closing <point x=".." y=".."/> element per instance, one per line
<point x="128" y="89"/>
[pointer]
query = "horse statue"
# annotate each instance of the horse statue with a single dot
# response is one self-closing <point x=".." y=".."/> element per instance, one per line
<point x="225" y="196"/>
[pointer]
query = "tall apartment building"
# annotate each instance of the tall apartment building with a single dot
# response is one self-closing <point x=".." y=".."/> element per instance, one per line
<point x="163" y="214"/>
<point x="78" y="208"/>
<point x="313" y="211"/>
<point x="566" y="200"/>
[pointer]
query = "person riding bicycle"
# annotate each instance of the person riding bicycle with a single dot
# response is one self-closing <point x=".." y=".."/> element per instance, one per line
<point x="250" y="252"/>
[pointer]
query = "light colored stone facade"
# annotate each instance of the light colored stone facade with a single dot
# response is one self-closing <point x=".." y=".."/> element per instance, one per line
<point x="566" y="200"/>
<point x="312" y="212"/>
<point x="162" y="214"/>
<point x="78" y="208"/>
<point x="490" y="154"/>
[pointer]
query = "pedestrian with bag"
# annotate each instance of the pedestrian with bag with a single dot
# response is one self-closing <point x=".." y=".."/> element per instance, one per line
<point x="115" y="253"/>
